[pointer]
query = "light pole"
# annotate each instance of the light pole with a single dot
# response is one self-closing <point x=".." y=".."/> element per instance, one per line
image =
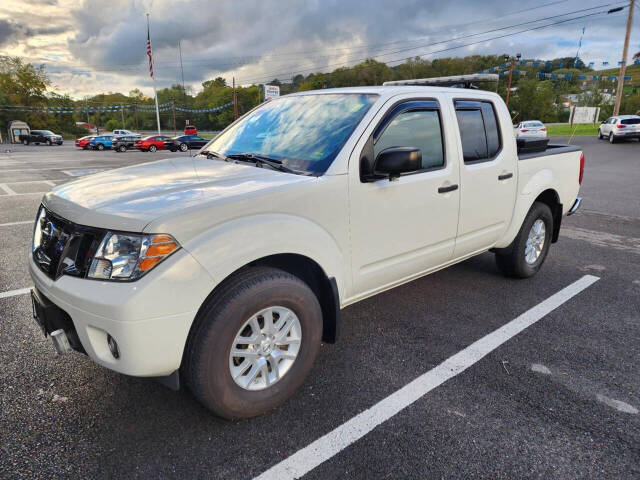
<point x="507" y="58"/>
<point x="623" y="65"/>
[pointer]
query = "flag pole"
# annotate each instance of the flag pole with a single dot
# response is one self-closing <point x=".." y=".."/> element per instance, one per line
<point x="155" y="92"/>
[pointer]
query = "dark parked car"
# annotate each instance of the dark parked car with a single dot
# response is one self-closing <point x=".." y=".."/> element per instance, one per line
<point x="122" y="144"/>
<point x="41" y="136"/>
<point x="186" y="142"/>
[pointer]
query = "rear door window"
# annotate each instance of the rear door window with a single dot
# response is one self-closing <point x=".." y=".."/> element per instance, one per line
<point x="630" y="121"/>
<point x="479" y="130"/>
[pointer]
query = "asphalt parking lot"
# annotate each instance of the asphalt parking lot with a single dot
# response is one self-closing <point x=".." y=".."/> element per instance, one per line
<point x="561" y="399"/>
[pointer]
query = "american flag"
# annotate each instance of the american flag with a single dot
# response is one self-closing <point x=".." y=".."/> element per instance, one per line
<point x="149" y="52"/>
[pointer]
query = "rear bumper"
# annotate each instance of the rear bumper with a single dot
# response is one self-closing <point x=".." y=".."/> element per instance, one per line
<point x="149" y="319"/>
<point x="576" y="205"/>
<point x="626" y="134"/>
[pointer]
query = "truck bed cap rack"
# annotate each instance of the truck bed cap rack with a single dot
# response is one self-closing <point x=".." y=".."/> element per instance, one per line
<point x="464" y="81"/>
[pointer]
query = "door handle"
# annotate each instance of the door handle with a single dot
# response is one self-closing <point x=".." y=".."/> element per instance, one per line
<point x="506" y="176"/>
<point x="450" y="188"/>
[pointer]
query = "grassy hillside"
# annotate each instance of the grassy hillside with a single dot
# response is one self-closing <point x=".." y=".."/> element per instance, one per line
<point x="632" y="70"/>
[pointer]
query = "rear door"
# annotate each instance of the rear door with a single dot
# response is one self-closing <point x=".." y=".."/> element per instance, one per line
<point x="606" y="126"/>
<point x="488" y="174"/>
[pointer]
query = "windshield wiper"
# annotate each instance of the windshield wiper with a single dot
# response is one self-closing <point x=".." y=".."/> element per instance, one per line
<point x="263" y="160"/>
<point x="211" y="154"/>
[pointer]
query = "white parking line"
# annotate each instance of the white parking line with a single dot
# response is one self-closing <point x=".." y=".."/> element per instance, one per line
<point x="14" y="194"/>
<point x="14" y="293"/>
<point x="7" y="189"/>
<point x="603" y="239"/>
<point x="9" y="224"/>
<point x="305" y="460"/>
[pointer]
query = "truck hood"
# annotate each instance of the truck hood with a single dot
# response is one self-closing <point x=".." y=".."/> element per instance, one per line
<point x="129" y="198"/>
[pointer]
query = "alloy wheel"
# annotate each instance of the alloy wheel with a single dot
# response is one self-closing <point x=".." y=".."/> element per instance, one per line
<point x="265" y="348"/>
<point x="535" y="242"/>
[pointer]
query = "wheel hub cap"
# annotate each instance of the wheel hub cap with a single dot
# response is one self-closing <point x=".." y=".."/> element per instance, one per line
<point x="265" y="348"/>
<point x="535" y="242"/>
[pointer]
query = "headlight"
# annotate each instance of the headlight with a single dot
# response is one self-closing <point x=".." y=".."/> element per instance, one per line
<point x="37" y="230"/>
<point x="127" y="257"/>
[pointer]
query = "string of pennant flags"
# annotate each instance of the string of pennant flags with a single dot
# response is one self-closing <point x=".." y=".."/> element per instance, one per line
<point x="111" y="108"/>
<point x="503" y="70"/>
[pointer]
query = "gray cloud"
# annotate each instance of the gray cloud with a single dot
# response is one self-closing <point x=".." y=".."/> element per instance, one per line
<point x="256" y="40"/>
<point x="11" y="31"/>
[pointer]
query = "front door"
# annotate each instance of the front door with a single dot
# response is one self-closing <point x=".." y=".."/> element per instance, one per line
<point x="404" y="227"/>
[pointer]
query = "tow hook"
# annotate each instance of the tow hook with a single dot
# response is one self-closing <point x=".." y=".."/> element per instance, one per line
<point x="60" y="341"/>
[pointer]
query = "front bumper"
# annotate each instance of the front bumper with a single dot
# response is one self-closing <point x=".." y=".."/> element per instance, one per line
<point x="149" y="318"/>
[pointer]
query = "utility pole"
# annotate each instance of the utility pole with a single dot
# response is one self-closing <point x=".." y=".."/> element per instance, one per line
<point x="135" y="111"/>
<point x="510" y="76"/>
<point x="235" y="100"/>
<point x="623" y="66"/>
<point x="184" y="93"/>
<point x="173" y="107"/>
<point x="122" y="115"/>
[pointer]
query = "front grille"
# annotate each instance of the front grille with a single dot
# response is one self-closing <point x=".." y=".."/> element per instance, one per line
<point x="65" y="247"/>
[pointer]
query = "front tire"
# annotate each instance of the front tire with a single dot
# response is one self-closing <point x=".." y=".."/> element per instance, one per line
<point x="25" y="142"/>
<point x="100" y="147"/>
<point x="122" y="148"/>
<point x="153" y="148"/>
<point x="271" y="315"/>
<point x="600" y="137"/>
<point x="184" y="147"/>
<point x="529" y="250"/>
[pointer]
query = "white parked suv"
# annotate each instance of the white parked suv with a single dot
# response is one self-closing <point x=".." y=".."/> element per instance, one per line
<point x="531" y="129"/>
<point x="227" y="271"/>
<point x="621" y="127"/>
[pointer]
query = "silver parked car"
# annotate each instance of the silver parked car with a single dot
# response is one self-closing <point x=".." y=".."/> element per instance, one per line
<point x="531" y="129"/>
<point x="620" y="128"/>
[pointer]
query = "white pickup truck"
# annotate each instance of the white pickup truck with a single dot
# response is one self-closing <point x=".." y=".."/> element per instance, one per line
<point x="225" y="271"/>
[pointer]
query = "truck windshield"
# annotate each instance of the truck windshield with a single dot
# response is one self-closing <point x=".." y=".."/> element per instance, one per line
<point x="304" y="132"/>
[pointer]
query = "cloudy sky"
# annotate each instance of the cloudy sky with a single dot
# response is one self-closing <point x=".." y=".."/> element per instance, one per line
<point x="95" y="46"/>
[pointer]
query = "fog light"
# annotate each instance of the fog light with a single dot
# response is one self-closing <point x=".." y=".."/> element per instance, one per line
<point x="113" y="346"/>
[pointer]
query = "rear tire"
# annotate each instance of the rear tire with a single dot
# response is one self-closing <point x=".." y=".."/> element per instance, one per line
<point x="208" y="362"/>
<point x="612" y="138"/>
<point x="524" y="259"/>
<point x="184" y="147"/>
<point x="100" y="147"/>
<point x="25" y="142"/>
<point x="153" y="148"/>
<point x="122" y="148"/>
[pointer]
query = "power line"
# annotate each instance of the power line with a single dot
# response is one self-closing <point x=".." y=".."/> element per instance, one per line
<point x="269" y="76"/>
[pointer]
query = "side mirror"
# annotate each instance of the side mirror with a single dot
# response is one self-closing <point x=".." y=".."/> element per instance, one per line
<point x="394" y="161"/>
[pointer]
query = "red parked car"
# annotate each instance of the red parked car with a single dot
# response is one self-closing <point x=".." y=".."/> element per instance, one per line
<point x="190" y="130"/>
<point x="83" y="142"/>
<point x="151" y="144"/>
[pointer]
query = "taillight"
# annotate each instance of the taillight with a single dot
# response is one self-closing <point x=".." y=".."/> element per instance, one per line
<point x="581" y="169"/>
<point x="523" y="130"/>
<point x="543" y="129"/>
<point x="621" y="126"/>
